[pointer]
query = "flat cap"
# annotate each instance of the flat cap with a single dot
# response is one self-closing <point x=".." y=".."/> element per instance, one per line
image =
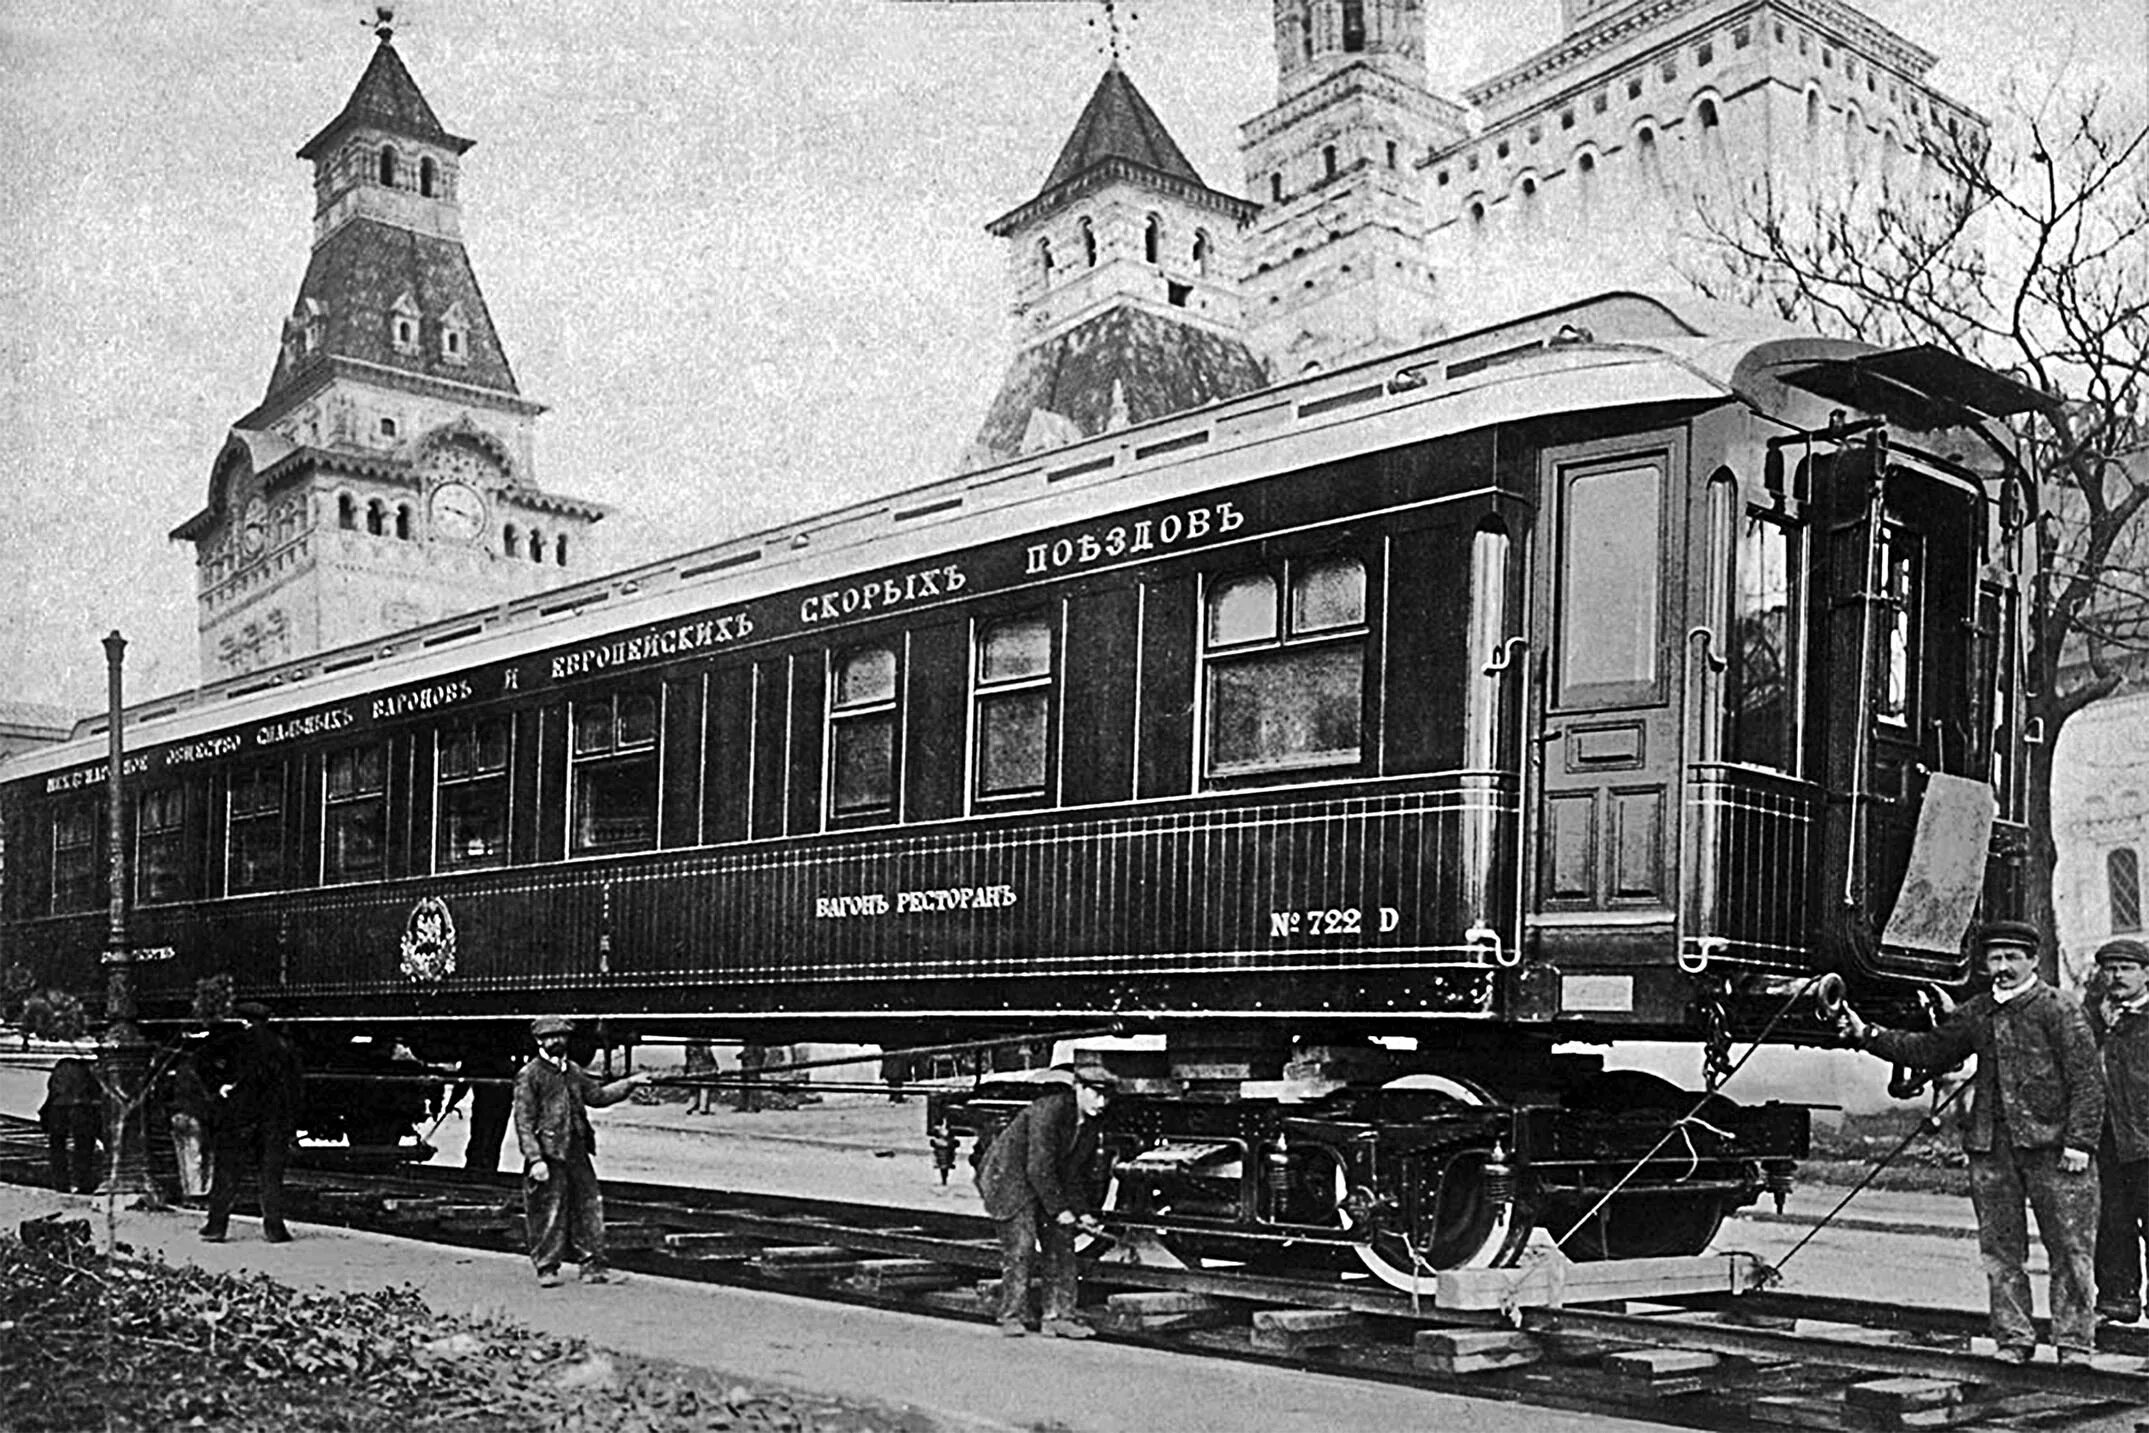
<point x="2114" y="951"/>
<point x="2010" y="933"/>
<point x="545" y="1025"/>
<point x="250" y="1010"/>
<point x="1096" y="1075"/>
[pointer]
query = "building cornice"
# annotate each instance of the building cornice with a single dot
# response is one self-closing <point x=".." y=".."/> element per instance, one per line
<point x="1347" y="84"/>
<point x="1644" y="20"/>
<point x="1120" y="170"/>
<point x="322" y="370"/>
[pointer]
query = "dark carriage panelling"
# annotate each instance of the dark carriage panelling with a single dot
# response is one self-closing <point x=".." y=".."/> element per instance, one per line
<point x="1165" y="752"/>
<point x="525" y="794"/>
<point x="552" y="734"/>
<point x="416" y="755"/>
<point x="679" y="816"/>
<point x="772" y="715"/>
<point x="1097" y="697"/>
<point x="1760" y="829"/>
<point x="727" y="774"/>
<point x="809" y="705"/>
<point x="936" y="721"/>
<point x="1311" y="895"/>
<point x="1427" y="671"/>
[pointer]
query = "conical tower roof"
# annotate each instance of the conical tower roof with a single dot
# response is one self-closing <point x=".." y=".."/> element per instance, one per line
<point x="386" y="99"/>
<point x="1118" y="123"/>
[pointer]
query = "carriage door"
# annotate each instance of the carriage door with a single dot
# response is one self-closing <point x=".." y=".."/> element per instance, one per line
<point x="1606" y="721"/>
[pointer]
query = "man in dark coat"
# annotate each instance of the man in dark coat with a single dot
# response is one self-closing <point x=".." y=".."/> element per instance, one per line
<point x="561" y="1204"/>
<point x="260" y="1088"/>
<point x="2119" y="1019"/>
<point x="73" y="1117"/>
<point x="2035" y="1112"/>
<point x="1034" y="1178"/>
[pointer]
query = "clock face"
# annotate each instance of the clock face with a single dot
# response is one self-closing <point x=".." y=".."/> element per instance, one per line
<point x="458" y="512"/>
<point x="256" y="529"/>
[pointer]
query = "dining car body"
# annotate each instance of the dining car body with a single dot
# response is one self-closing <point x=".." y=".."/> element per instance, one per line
<point x="1392" y="743"/>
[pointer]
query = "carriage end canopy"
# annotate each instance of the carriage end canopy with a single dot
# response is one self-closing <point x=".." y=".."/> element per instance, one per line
<point x="1924" y="385"/>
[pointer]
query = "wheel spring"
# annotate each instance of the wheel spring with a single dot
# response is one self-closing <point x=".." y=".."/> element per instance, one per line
<point x="1499" y="1176"/>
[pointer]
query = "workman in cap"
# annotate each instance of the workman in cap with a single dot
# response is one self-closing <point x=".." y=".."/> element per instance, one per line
<point x="1034" y="1177"/>
<point x="2119" y="1019"/>
<point x="560" y="1199"/>
<point x="2036" y="1106"/>
<point x="260" y="1089"/>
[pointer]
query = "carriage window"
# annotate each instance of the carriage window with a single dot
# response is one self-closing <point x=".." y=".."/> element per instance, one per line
<point x="1013" y="697"/>
<point x="159" y="845"/>
<point x="861" y="733"/>
<point x="470" y="793"/>
<point x="2123" y="882"/>
<point x="354" y="814"/>
<point x="254" y="847"/>
<point x="1762" y="696"/>
<point x="1284" y="668"/>
<point x="79" y="881"/>
<point x="1610" y="575"/>
<point x="1901" y="557"/>
<point x="615" y="773"/>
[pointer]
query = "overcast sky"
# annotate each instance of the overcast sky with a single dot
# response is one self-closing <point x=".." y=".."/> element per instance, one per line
<point x="738" y="249"/>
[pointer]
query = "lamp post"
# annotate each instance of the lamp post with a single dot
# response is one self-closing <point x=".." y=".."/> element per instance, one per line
<point x="122" y="1054"/>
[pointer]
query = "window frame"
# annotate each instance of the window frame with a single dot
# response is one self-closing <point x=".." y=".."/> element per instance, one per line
<point x="353" y="807"/>
<point x="95" y="884"/>
<point x="617" y="756"/>
<point x="839" y="718"/>
<point x="1564" y="694"/>
<point x="989" y="692"/>
<point x="448" y="789"/>
<point x="1284" y="640"/>
<point x="1795" y="535"/>
<point x="269" y="815"/>
<point x="171" y="832"/>
<point x="2114" y="860"/>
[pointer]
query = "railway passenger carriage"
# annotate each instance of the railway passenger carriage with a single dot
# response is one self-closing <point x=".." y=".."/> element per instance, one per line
<point x="1580" y="679"/>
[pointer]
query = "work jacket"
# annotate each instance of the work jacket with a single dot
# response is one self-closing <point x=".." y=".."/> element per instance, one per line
<point x="2123" y="1041"/>
<point x="551" y="1115"/>
<point x="262" y="1081"/>
<point x="1041" y="1157"/>
<point x="2037" y="1068"/>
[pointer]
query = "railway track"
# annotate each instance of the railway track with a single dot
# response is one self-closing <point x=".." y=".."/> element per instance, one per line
<point x="1759" y="1359"/>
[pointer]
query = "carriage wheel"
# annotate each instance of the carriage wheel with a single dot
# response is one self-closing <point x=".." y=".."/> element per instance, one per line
<point x="1456" y="1226"/>
<point x="1644" y="1224"/>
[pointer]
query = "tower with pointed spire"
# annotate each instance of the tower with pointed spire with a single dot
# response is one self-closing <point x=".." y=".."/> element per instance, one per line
<point x="1338" y="264"/>
<point x="387" y="476"/>
<point x="1123" y="273"/>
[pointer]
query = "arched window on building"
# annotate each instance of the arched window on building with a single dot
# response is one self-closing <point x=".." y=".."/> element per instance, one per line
<point x="402" y="521"/>
<point x="1707" y="114"/>
<point x="1276" y="187"/>
<point x="1813" y="116"/>
<point x="1202" y="250"/>
<point x="1328" y="161"/>
<point x="1089" y="241"/>
<point x="559" y="550"/>
<point x="346" y="512"/>
<point x="388" y="165"/>
<point x="1153" y="239"/>
<point x="1044" y="258"/>
<point x="509" y="543"/>
<point x="1354" y="26"/>
<point x="537" y="545"/>
<point x="426" y="176"/>
<point x="1647" y="159"/>
<point x="376" y="517"/>
<point x="2123" y="882"/>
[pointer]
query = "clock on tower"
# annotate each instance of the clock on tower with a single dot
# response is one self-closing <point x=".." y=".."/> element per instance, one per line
<point x="460" y="475"/>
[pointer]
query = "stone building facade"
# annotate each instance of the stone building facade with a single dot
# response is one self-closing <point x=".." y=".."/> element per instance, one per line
<point x="387" y="477"/>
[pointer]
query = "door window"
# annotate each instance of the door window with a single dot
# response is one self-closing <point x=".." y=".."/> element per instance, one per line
<point x="1611" y="584"/>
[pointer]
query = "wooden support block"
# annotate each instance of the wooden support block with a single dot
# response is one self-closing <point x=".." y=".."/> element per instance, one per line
<point x="1289" y="1330"/>
<point x="808" y="1259"/>
<point x="888" y="1276"/>
<point x="1798" y="1410"/>
<point x="1901" y="1395"/>
<point x="423" y="1207"/>
<point x="1547" y="1279"/>
<point x="1474" y="1350"/>
<point x="1664" y="1372"/>
<point x="711" y="1246"/>
<point x="632" y="1235"/>
<point x="1160" y="1309"/>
